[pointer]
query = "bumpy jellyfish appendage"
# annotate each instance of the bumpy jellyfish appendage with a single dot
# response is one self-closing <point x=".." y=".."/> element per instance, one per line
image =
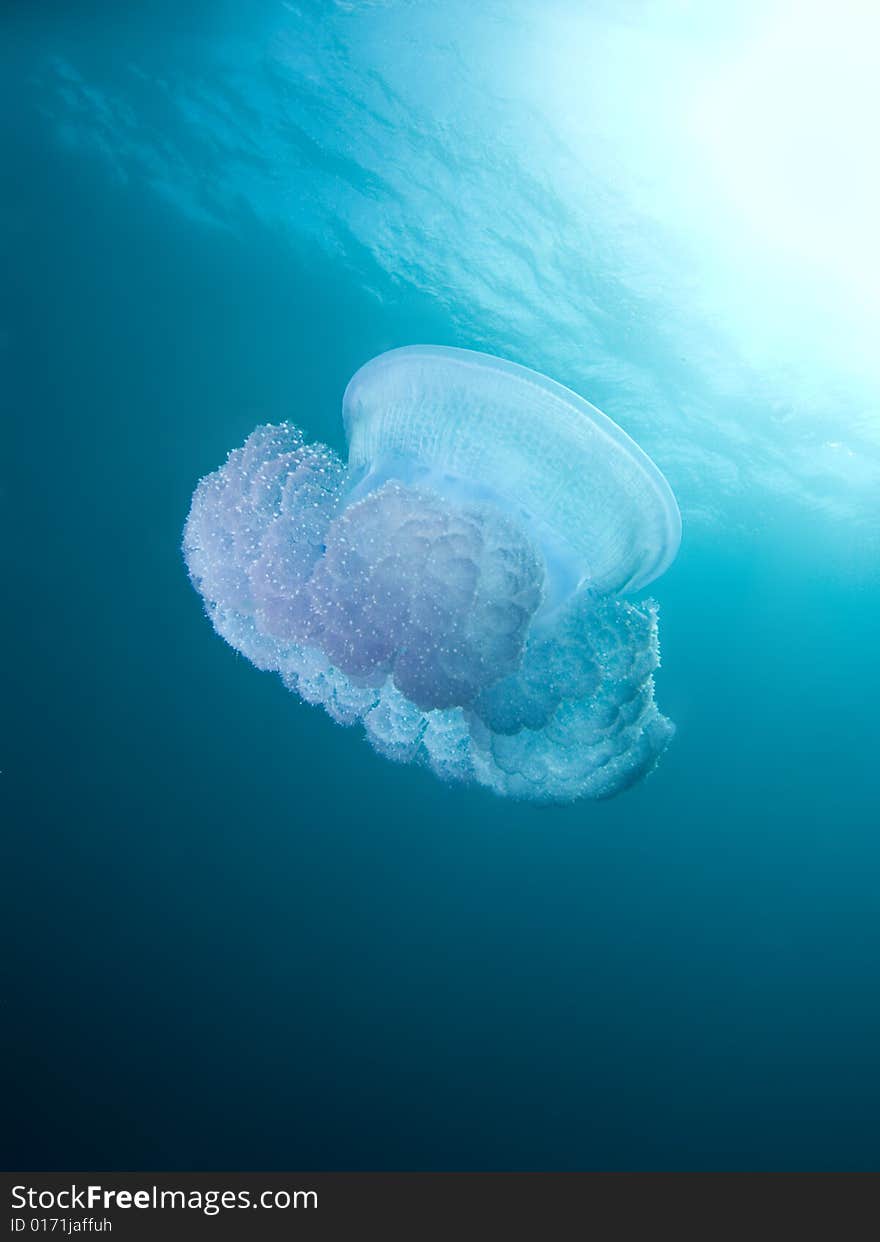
<point x="423" y="618"/>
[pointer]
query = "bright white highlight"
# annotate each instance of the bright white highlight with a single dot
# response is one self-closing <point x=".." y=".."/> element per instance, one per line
<point x="790" y="134"/>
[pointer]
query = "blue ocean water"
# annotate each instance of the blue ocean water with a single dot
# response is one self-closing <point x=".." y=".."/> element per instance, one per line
<point x="236" y="938"/>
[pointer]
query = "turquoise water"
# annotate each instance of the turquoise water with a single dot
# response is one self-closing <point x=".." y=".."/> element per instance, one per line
<point x="239" y="939"/>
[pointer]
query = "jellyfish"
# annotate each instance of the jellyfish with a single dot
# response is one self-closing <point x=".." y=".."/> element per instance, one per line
<point x="459" y="586"/>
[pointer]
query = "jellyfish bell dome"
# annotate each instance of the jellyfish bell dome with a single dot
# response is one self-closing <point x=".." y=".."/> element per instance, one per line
<point x="475" y="427"/>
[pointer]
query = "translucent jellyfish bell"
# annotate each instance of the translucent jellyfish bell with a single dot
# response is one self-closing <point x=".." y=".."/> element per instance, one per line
<point x="467" y="424"/>
<point x="457" y="587"/>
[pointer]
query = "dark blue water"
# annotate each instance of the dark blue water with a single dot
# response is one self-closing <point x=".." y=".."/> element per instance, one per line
<point x="237" y="939"/>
